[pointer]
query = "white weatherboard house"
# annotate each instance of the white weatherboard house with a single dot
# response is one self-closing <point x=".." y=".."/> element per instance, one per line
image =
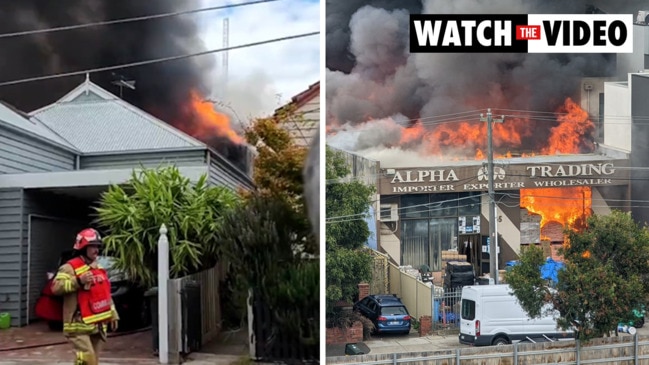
<point x="54" y="163"/>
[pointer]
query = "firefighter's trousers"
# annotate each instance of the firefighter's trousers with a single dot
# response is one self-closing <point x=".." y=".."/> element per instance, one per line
<point x="87" y="348"/>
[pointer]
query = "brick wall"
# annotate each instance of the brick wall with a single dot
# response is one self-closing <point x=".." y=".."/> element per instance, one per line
<point x="425" y="325"/>
<point x="351" y="334"/>
<point x="363" y="290"/>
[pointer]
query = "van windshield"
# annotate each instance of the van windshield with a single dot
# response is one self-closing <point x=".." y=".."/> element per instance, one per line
<point x="394" y="311"/>
<point x="468" y="309"/>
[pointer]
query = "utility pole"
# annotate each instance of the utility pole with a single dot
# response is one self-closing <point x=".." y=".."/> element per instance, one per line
<point x="493" y="248"/>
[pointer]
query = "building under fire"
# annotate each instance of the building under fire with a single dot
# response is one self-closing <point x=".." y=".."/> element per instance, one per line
<point x="425" y="210"/>
<point x="556" y="161"/>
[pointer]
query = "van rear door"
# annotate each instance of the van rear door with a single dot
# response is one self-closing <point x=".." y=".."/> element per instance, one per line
<point x="468" y="321"/>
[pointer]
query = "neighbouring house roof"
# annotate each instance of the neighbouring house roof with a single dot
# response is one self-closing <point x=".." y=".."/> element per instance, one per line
<point x="307" y="95"/>
<point x="17" y="120"/>
<point x="306" y="103"/>
<point x="93" y="120"/>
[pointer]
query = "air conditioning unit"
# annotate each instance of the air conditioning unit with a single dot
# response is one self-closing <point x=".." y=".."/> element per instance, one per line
<point x="389" y="213"/>
<point x="588" y="87"/>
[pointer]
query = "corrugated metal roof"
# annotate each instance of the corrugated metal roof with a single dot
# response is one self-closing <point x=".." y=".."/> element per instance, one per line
<point x="17" y="119"/>
<point x="95" y="121"/>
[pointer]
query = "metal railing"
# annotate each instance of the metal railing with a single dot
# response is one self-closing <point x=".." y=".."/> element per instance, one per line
<point x="613" y="350"/>
<point x="446" y="309"/>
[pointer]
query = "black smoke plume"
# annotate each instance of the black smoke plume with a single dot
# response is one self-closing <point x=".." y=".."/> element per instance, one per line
<point x="372" y="75"/>
<point x="161" y="89"/>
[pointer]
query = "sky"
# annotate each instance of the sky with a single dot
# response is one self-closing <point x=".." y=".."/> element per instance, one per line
<point x="274" y="72"/>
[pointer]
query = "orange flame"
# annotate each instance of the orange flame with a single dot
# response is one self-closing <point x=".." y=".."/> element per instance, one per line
<point x="571" y="134"/>
<point x="561" y="205"/>
<point x="468" y="139"/>
<point x="203" y="122"/>
<point x="567" y="137"/>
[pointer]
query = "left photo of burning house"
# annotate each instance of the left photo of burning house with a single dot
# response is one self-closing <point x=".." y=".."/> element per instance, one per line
<point x="158" y="187"/>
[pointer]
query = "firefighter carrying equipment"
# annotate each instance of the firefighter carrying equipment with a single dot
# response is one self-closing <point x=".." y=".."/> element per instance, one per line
<point x="95" y="301"/>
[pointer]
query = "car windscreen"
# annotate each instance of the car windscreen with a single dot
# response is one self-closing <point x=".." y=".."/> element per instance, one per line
<point x="394" y="311"/>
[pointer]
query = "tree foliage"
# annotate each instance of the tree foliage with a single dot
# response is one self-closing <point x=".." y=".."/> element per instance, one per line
<point x="131" y="216"/>
<point x="279" y="165"/>
<point x="265" y="238"/>
<point x="280" y="161"/>
<point x="604" y="280"/>
<point x="347" y="204"/>
<point x="258" y="240"/>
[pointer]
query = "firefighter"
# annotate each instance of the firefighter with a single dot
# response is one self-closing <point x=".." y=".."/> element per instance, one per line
<point x="87" y="303"/>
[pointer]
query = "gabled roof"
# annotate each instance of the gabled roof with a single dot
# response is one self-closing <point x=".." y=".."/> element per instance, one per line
<point x="95" y="121"/>
<point x="17" y="120"/>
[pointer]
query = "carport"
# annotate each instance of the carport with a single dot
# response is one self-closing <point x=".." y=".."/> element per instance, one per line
<point x="53" y="214"/>
<point x="50" y="235"/>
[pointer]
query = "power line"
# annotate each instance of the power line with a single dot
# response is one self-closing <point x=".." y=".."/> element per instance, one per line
<point x="130" y="20"/>
<point x="157" y="60"/>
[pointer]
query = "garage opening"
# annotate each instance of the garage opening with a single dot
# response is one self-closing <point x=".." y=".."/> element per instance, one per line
<point x="48" y="238"/>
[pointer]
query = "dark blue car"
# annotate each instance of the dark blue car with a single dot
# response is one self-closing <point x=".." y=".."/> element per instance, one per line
<point x="387" y="312"/>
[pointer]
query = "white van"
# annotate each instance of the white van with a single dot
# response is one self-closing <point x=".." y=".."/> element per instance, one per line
<point x="491" y="315"/>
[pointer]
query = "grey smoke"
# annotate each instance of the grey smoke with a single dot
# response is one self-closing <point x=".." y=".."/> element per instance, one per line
<point x="374" y="76"/>
<point x="161" y="89"/>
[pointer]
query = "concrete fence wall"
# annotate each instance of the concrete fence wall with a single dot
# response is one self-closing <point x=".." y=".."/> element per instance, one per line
<point x="417" y="296"/>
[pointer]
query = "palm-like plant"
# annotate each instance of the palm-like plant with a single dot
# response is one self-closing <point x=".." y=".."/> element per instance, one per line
<point x="131" y="216"/>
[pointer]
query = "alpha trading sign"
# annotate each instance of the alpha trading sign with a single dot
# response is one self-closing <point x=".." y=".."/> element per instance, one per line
<point x="506" y="177"/>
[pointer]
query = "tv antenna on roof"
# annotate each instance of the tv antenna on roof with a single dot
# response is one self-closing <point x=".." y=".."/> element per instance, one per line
<point x="122" y="82"/>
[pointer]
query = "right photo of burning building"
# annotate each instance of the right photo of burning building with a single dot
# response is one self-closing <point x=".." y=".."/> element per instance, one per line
<point x="463" y="154"/>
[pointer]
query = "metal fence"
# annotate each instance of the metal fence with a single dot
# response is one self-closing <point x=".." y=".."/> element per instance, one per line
<point x="425" y="299"/>
<point x="446" y="310"/>
<point x="193" y="323"/>
<point x="270" y="340"/>
<point x="613" y="350"/>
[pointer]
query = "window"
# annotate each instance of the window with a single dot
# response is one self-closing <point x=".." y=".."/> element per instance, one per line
<point x="414" y="242"/>
<point x="372" y="306"/>
<point x="443" y="205"/>
<point x="414" y="206"/>
<point x="469" y="203"/>
<point x="394" y="311"/>
<point x="443" y="237"/>
<point x="468" y="309"/>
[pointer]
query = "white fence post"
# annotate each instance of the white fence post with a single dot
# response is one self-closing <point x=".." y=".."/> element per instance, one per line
<point x="163" y="296"/>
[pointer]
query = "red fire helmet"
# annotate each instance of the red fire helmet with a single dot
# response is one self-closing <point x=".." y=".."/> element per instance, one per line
<point x="87" y="237"/>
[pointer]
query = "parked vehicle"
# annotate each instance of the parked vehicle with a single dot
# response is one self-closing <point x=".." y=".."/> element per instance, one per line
<point x="491" y="315"/>
<point x="638" y="319"/>
<point x="387" y="313"/>
<point x="129" y="299"/>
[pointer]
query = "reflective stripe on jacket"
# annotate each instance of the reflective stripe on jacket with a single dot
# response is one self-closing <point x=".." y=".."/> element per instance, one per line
<point x="65" y="284"/>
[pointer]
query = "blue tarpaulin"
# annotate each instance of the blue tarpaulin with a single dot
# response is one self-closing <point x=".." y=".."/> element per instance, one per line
<point x="550" y="271"/>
